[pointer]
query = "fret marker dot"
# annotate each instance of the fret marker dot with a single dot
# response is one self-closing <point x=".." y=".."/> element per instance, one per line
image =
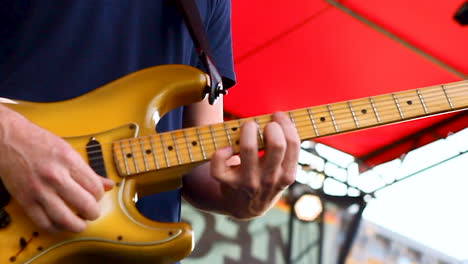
<point x="237" y="142"/>
<point x="194" y="143"/>
<point x="364" y="111"/>
<point x="148" y="151"/>
<point x="129" y="155"/>
<point x="409" y="102"/>
<point x="170" y="148"/>
<point x="234" y="128"/>
<point x="322" y="119"/>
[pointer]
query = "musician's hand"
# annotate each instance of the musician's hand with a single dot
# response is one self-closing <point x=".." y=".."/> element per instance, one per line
<point x="47" y="177"/>
<point x="253" y="184"/>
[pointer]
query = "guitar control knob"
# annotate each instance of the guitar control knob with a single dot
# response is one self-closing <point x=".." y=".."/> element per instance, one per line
<point x="5" y="218"/>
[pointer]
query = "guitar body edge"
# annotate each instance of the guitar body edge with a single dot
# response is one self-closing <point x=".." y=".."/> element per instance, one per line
<point x="125" y="108"/>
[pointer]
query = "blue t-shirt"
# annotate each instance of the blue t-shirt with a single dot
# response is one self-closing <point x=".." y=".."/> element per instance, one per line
<point x="54" y="50"/>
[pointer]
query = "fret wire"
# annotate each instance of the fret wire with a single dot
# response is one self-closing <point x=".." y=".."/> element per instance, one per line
<point x="156" y="160"/>
<point x="201" y="143"/>
<point x="461" y="95"/>
<point x="352" y="121"/>
<point x="333" y="118"/>
<point x="176" y="149"/>
<point x="240" y="125"/>
<point x="134" y="159"/>
<point x="124" y="157"/>
<point x="447" y="96"/>
<point x="168" y="162"/>
<point x="312" y="119"/>
<point x="356" y="121"/>
<point x="213" y="136"/>
<point x="259" y="131"/>
<point x="291" y="116"/>
<point x="94" y="159"/>
<point x="228" y="135"/>
<point x="457" y="90"/>
<point x="374" y="107"/>
<point x="388" y="109"/>
<point x="422" y="101"/>
<point x="189" y="147"/>
<point x="395" y="99"/>
<point x="144" y="154"/>
<point x="426" y="96"/>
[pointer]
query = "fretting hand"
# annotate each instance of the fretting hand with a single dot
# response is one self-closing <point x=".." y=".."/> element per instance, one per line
<point x="253" y="184"/>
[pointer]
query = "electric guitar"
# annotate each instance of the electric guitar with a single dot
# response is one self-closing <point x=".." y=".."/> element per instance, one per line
<point x="112" y="128"/>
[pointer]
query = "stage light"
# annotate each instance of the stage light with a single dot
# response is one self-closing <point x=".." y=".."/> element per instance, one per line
<point x="308" y="207"/>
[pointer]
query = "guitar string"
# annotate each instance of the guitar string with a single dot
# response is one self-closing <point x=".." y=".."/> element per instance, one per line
<point x="381" y="109"/>
<point x="208" y="148"/>
<point x="164" y="160"/>
<point x="195" y="157"/>
<point x="389" y="104"/>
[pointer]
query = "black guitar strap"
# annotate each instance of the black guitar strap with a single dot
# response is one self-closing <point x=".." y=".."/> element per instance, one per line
<point x="195" y="27"/>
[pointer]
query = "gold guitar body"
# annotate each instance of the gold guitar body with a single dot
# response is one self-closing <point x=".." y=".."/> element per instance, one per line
<point x="123" y="109"/>
<point x="116" y="114"/>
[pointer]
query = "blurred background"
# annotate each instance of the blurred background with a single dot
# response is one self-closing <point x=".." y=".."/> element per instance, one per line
<point x="389" y="194"/>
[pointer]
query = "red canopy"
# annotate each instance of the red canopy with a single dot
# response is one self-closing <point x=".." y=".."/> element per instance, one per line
<point x="302" y="53"/>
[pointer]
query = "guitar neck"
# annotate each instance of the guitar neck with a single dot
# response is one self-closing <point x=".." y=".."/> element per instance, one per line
<point x="191" y="145"/>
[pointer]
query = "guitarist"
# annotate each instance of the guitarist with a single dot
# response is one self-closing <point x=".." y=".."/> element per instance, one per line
<point x="55" y="50"/>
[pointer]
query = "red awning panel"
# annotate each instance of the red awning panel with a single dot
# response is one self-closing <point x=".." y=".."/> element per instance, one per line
<point x="295" y="54"/>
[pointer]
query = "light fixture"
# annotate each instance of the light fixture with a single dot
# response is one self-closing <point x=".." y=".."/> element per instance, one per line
<point x="308" y="207"/>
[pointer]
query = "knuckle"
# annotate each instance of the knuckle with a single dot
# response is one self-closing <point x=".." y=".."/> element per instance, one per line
<point x="67" y="154"/>
<point x="96" y="189"/>
<point x="268" y="183"/>
<point x="277" y="145"/>
<point x="51" y="176"/>
<point x="249" y="149"/>
<point x="54" y="178"/>
<point x="64" y="222"/>
<point x="292" y="138"/>
<point x="49" y="227"/>
<point x="251" y="187"/>
<point x="91" y="210"/>
<point x="34" y="187"/>
<point x="288" y="179"/>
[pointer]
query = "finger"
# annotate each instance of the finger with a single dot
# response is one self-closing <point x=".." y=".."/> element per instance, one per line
<point x="108" y="184"/>
<point x="59" y="213"/>
<point x="271" y="161"/>
<point x="220" y="168"/>
<point x="249" y="157"/>
<point x="80" y="200"/>
<point x="275" y="147"/>
<point x="39" y="217"/>
<point x="292" y="148"/>
<point x="88" y="179"/>
<point x="233" y="161"/>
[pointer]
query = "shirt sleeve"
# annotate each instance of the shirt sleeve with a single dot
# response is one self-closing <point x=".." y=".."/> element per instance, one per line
<point x="217" y="24"/>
